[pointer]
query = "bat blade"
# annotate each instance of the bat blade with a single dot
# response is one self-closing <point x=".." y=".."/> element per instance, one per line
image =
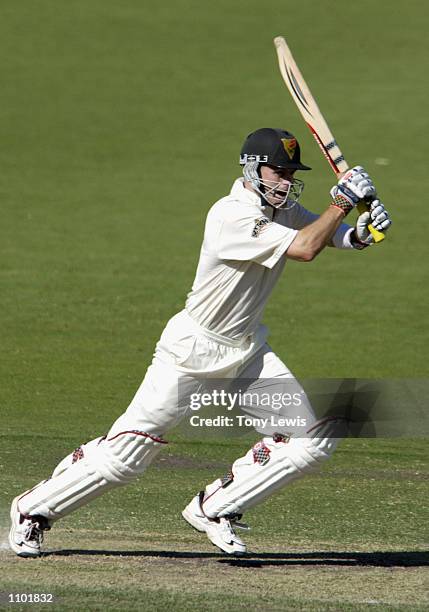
<point x="313" y="117"/>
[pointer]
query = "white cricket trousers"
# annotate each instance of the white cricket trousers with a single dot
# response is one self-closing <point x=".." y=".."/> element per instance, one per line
<point x="186" y="357"/>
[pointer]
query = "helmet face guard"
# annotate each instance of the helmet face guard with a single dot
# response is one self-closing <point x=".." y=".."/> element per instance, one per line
<point x="277" y="148"/>
<point x="268" y="188"/>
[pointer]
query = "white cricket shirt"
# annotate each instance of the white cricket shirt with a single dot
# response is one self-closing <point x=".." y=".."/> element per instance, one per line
<point x="241" y="259"/>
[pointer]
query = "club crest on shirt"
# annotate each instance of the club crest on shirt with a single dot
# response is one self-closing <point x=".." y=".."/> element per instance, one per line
<point x="259" y="225"/>
<point x="289" y="146"/>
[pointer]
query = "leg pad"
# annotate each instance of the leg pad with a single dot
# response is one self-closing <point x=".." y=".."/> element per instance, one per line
<point x="100" y="465"/>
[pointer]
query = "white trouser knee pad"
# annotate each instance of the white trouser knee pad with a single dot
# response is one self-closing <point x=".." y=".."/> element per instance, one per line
<point x="91" y="470"/>
<point x="268" y="466"/>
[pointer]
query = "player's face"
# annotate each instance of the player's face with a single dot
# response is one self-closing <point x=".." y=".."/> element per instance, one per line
<point x="278" y="181"/>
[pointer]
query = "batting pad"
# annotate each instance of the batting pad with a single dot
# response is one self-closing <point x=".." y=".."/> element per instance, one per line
<point x="267" y="467"/>
<point x="94" y="468"/>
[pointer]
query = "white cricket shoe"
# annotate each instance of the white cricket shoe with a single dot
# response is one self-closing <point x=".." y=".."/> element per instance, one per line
<point x="219" y="531"/>
<point x="26" y="533"/>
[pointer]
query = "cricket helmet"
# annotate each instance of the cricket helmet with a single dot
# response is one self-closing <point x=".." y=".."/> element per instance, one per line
<point x="277" y="148"/>
<point x="272" y="146"/>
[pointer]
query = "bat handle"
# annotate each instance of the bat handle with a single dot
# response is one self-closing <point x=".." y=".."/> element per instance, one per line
<point x="378" y="236"/>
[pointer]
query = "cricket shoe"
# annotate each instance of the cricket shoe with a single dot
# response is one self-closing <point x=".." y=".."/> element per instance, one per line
<point x="220" y="531"/>
<point x="26" y="532"/>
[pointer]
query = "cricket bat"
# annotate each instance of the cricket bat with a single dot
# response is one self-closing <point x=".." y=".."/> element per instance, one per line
<point x="308" y="108"/>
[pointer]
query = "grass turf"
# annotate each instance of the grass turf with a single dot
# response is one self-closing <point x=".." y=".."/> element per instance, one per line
<point x="120" y="124"/>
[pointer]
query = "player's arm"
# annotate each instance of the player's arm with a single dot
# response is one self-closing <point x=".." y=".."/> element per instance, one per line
<point x="313" y="238"/>
<point x="301" y="217"/>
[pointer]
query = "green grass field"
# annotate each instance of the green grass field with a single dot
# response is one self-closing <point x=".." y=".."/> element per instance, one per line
<point x="120" y="124"/>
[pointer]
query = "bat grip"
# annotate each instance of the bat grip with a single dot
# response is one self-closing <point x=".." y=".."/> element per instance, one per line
<point x="378" y="236"/>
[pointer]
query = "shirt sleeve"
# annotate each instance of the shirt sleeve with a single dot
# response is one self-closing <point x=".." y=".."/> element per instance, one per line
<point x="341" y="238"/>
<point x="255" y="239"/>
<point x="299" y="217"/>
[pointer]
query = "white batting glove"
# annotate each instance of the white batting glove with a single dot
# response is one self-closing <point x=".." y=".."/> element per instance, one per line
<point x="378" y="217"/>
<point x="354" y="186"/>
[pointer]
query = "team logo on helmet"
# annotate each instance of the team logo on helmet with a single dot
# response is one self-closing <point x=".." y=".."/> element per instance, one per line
<point x="289" y="146"/>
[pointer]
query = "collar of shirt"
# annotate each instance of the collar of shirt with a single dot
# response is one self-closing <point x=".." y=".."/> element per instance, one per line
<point x="242" y="194"/>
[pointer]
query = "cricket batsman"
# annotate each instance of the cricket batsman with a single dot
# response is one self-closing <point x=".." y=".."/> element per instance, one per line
<point x="249" y="236"/>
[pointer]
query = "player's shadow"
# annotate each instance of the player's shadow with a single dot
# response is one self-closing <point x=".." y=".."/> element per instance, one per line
<point x="372" y="559"/>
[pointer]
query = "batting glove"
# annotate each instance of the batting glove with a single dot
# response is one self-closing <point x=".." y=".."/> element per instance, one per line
<point x="378" y="217"/>
<point x="354" y="186"/>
